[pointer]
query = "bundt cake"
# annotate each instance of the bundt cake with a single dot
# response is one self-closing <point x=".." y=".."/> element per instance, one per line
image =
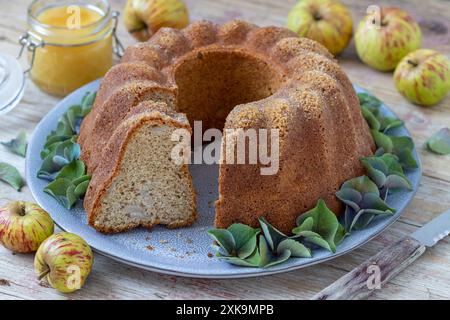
<point x="231" y="76"/>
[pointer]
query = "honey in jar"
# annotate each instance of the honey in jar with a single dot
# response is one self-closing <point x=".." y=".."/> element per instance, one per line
<point x="73" y="43"/>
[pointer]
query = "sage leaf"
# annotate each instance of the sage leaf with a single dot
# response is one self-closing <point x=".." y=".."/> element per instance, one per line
<point x="11" y="176"/>
<point x="17" y="145"/>
<point x="439" y="142"/>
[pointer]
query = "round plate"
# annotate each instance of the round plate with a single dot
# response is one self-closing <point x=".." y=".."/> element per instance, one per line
<point x="182" y="252"/>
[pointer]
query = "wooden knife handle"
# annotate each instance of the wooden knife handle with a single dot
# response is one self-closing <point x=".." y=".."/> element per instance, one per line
<point x="375" y="272"/>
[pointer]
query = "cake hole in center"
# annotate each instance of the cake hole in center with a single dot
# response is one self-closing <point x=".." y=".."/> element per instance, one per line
<point x="211" y="84"/>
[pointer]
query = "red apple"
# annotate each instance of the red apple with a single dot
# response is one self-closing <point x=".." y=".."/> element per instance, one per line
<point x="385" y="36"/>
<point x="24" y="226"/>
<point x="423" y="77"/>
<point x="65" y="261"/>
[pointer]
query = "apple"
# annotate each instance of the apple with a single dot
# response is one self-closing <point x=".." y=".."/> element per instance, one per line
<point x="24" y="226"/>
<point x="326" y="21"/>
<point x="143" y="18"/>
<point x="423" y="77"/>
<point x="65" y="261"/>
<point x="385" y="36"/>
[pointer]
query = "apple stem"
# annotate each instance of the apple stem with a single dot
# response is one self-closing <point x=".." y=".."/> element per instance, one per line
<point x="414" y="64"/>
<point x="43" y="274"/>
<point x="18" y="208"/>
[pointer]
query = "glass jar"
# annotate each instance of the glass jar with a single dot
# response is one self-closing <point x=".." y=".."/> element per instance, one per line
<point x="70" y="43"/>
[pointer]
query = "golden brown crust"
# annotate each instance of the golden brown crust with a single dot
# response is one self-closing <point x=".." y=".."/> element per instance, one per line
<point x="314" y="105"/>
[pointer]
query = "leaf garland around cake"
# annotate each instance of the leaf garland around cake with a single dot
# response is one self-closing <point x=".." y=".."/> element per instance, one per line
<point x="364" y="198"/>
<point x="61" y="163"/>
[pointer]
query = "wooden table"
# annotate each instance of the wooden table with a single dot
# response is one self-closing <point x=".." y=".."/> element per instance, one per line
<point x="428" y="278"/>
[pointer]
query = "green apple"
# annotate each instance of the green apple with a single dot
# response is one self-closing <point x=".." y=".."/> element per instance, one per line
<point x="423" y="77"/>
<point x="65" y="261"/>
<point x="24" y="226"/>
<point x="385" y="36"/>
<point x="143" y="18"/>
<point x="326" y="21"/>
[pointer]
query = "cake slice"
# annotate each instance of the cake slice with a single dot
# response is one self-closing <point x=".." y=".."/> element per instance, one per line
<point x="137" y="183"/>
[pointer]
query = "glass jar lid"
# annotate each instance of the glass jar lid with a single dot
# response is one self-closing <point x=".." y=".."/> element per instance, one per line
<point x="12" y="82"/>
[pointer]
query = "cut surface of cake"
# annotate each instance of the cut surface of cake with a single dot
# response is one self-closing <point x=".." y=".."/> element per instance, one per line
<point x="136" y="183"/>
<point x="232" y="76"/>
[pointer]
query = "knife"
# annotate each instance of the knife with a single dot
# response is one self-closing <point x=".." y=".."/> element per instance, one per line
<point x="379" y="269"/>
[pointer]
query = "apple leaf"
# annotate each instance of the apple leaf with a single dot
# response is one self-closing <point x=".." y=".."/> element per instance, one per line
<point x="17" y="145"/>
<point x="439" y="142"/>
<point x="11" y="176"/>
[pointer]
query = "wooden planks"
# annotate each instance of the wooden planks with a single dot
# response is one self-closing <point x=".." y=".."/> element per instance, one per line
<point x="428" y="278"/>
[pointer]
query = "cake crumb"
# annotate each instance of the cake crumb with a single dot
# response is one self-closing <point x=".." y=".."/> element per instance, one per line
<point x="163" y="241"/>
<point x="210" y="255"/>
<point x="189" y="240"/>
<point x="4" y="282"/>
<point x="179" y="234"/>
<point x="151" y="248"/>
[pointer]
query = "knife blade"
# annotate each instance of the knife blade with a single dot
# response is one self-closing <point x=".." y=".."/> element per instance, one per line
<point x="434" y="231"/>
<point x="379" y="269"/>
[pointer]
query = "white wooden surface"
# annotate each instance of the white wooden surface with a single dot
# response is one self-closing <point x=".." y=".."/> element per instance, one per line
<point x="428" y="278"/>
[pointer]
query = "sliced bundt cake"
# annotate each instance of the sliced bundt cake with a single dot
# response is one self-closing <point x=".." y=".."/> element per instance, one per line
<point x="232" y="76"/>
<point x="136" y="183"/>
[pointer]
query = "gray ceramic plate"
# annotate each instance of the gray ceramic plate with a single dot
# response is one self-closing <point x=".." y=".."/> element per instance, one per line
<point x="182" y="252"/>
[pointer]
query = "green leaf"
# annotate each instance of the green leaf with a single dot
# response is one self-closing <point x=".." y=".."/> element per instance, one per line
<point x="63" y="191"/>
<point x="88" y="100"/>
<point x="368" y="100"/>
<point x="18" y="145"/>
<point x="252" y="261"/>
<point x="80" y="189"/>
<point x="63" y="154"/>
<point x="372" y="121"/>
<point x="268" y="259"/>
<point x="386" y="172"/>
<point x="272" y="235"/>
<point x="81" y="180"/>
<point x="244" y="238"/>
<point x="74" y="170"/>
<point x="295" y="248"/>
<point x="225" y="240"/>
<point x="439" y="142"/>
<point x="11" y="176"/>
<point x="325" y="224"/>
<point x="388" y="123"/>
<point x="402" y="147"/>
<point x="362" y="184"/>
